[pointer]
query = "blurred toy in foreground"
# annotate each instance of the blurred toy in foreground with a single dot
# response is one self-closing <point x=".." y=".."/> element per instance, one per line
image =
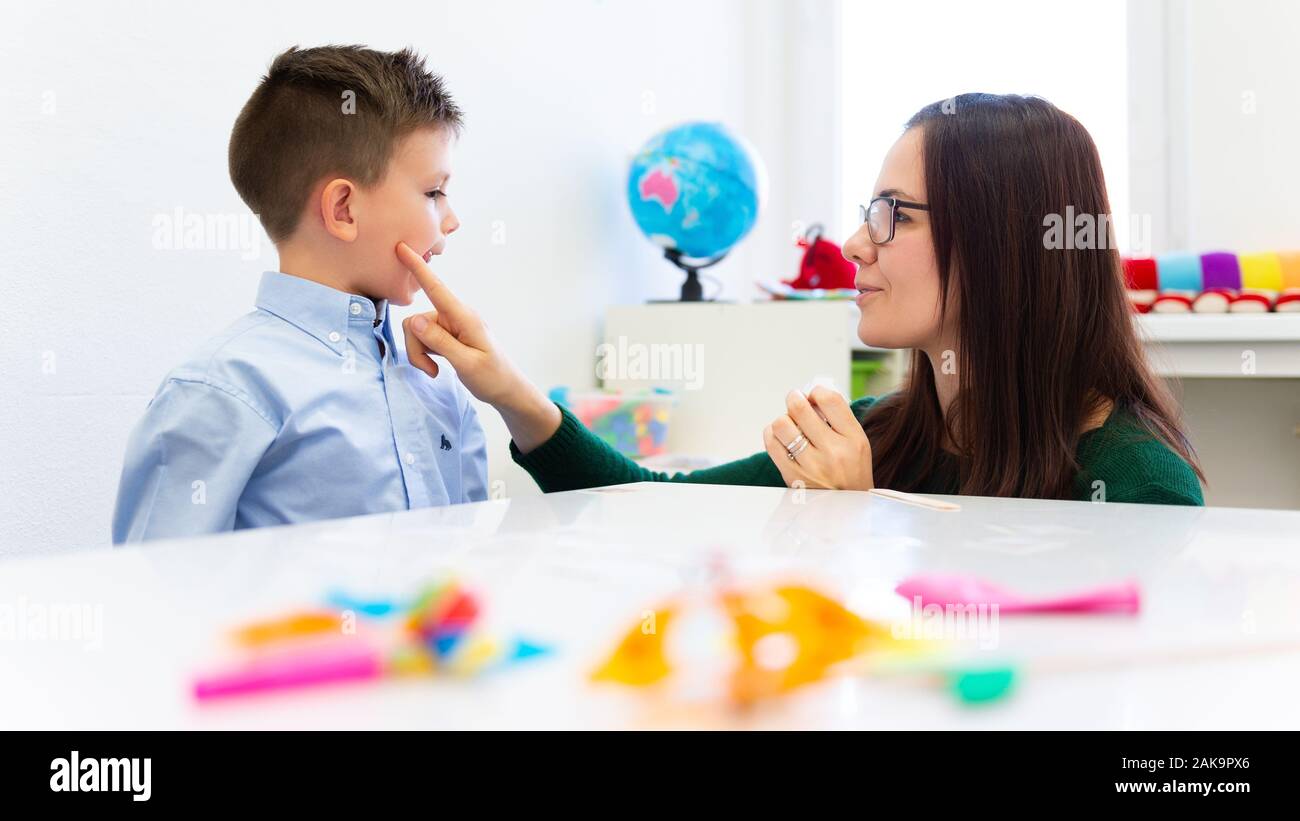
<point x="742" y="644"/>
<point x="979" y="680"/>
<point x="1214" y="283"/>
<point x="436" y="632"/>
<point x="745" y="645"/>
<point x="957" y="590"/>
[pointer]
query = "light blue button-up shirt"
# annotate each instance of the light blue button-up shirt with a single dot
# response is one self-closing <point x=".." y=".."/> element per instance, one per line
<point x="304" y="409"/>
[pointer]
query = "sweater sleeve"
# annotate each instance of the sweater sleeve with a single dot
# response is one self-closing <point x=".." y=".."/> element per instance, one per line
<point x="575" y="458"/>
<point x="1133" y="466"/>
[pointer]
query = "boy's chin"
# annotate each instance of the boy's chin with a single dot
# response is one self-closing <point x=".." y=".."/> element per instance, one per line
<point x="404" y="292"/>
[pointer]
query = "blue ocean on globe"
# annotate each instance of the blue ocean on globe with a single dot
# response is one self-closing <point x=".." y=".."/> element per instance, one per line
<point x="696" y="188"/>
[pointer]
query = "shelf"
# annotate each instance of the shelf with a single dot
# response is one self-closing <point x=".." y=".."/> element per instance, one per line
<point x="1218" y="346"/>
<point x="1220" y="327"/>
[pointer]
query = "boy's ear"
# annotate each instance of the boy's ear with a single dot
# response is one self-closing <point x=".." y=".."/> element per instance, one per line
<point x="337" y="204"/>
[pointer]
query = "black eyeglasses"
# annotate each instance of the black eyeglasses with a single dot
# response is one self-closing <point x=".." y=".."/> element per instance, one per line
<point x="881" y="215"/>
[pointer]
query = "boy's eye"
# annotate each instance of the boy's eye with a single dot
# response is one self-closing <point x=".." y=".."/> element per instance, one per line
<point x="433" y="195"/>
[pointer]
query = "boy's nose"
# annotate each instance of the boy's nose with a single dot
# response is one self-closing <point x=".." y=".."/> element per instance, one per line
<point x="859" y="249"/>
<point x="450" y="223"/>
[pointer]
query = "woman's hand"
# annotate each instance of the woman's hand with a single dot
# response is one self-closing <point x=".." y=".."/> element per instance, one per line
<point x="455" y="332"/>
<point x="831" y="450"/>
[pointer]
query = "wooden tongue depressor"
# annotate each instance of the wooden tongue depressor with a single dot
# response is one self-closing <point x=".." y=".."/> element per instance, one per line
<point x="914" y="499"/>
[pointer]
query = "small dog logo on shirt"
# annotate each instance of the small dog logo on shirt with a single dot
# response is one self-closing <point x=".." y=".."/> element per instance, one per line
<point x="446" y="444"/>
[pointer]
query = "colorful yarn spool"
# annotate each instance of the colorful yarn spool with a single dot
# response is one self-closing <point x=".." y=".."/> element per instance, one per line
<point x="1251" y="302"/>
<point x="1140" y="274"/>
<point x="1216" y="301"/>
<point x="1179" y="272"/>
<point x="1221" y="270"/>
<point x="1261" y="271"/>
<point x="1173" y="302"/>
<point x="1214" y="282"/>
<point x="1290" y="262"/>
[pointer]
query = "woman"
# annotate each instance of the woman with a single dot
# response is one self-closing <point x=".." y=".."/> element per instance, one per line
<point x="1027" y="375"/>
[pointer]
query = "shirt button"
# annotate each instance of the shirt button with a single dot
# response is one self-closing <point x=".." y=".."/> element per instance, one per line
<point x="334" y="336"/>
<point x="410" y="458"/>
<point x="355" y="308"/>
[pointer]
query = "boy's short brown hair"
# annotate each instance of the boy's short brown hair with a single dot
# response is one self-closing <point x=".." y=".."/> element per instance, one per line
<point x="302" y="124"/>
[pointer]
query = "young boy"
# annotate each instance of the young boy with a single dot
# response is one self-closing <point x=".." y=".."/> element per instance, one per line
<point x="305" y="408"/>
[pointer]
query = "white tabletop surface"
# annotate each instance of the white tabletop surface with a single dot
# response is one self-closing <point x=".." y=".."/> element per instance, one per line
<point x="577" y="569"/>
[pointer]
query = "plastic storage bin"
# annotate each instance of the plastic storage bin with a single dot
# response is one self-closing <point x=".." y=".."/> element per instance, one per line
<point x="635" y="423"/>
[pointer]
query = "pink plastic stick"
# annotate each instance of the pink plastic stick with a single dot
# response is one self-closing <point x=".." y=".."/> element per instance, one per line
<point x="297" y="671"/>
<point x="1121" y="598"/>
<point x="945" y="589"/>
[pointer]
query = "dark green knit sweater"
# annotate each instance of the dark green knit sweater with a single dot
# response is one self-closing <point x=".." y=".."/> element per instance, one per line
<point x="1134" y="466"/>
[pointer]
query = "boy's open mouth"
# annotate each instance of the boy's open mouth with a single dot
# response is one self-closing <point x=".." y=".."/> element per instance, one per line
<point x="428" y="255"/>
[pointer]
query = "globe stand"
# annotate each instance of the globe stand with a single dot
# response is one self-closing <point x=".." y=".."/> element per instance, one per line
<point x="692" y="288"/>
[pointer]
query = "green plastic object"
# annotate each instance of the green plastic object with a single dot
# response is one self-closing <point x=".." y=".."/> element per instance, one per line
<point x="861" y="370"/>
<point x="982" y="686"/>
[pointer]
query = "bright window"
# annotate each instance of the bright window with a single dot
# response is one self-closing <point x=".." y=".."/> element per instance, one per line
<point x="900" y="56"/>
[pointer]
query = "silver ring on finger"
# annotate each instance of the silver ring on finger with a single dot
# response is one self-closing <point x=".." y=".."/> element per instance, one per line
<point x="798" y="446"/>
<point x="795" y="443"/>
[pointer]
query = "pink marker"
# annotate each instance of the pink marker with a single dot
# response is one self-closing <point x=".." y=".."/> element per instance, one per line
<point x="301" y="670"/>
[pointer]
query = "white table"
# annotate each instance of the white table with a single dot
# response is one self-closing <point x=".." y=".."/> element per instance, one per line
<point x="577" y="569"/>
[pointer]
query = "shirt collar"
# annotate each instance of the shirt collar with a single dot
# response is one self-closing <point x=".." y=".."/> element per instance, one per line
<point x="317" y="309"/>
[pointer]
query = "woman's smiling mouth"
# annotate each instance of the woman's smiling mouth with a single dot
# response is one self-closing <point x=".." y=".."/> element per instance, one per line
<point x="865" y="292"/>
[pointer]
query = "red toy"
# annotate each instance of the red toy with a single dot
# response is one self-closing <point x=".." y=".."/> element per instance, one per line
<point x="823" y="265"/>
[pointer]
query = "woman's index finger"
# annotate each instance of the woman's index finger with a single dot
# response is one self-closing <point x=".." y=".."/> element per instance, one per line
<point x="439" y="294"/>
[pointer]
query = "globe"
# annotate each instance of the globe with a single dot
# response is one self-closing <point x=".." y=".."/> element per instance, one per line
<point x="696" y="190"/>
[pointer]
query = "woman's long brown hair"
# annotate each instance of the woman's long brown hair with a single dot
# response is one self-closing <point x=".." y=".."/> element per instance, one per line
<point x="1046" y="335"/>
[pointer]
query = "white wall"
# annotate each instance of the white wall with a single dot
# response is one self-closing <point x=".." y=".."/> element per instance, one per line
<point x="1004" y="47"/>
<point x="1213" y="90"/>
<point x="1242" y="120"/>
<point x="1212" y="93"/>
<point x="113" y="116"/>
